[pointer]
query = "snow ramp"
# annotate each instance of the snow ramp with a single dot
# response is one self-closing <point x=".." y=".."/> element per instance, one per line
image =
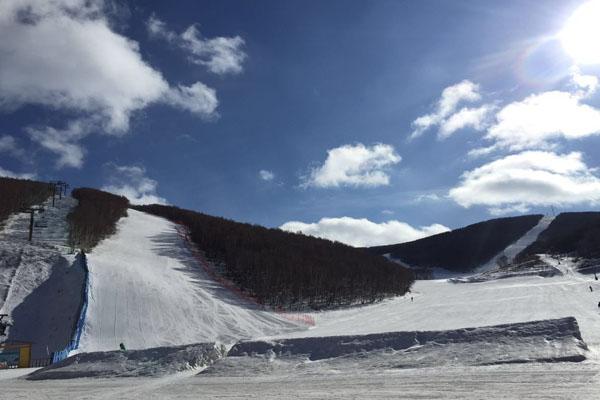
<point x="555" y="340"/>
<point x="147" y="290"/>
<point x="153" y="362"/>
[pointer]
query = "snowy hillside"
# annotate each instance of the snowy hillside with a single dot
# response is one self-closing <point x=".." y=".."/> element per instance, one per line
<point x="147" y="291"/>
<point x="40" y="282"/>
<point x="517" y="247"/>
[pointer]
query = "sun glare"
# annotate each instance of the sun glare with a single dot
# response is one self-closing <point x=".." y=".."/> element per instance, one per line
<point x="581" y="34"/>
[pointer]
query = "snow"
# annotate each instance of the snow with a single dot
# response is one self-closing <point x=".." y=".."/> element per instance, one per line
<point x="549" y="341"/>
<point x="516" y="381"/>
<point x="147" y="290"/>
<point x="442" y="305"/>
<point x="515" y="248"/>
<point x="154" y="362"/>
<point x="40" y="282"/>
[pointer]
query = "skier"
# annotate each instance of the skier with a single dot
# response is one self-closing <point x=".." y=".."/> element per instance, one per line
<point x="411" y="299"/>
<point x="122" y="346"/>
<point x="595" y="276"/>
<point x="591" y="289"/>
<point x="599" y="304"/>
<point x="3" y="325"/>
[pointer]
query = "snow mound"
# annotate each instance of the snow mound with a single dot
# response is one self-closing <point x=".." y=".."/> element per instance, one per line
<point x="537" y="341"/>
<point x="159" y="361"/>
<point x="536" y="267"/>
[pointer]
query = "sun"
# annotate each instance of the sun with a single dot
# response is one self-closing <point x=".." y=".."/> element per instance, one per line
<point x="581" y="34"/>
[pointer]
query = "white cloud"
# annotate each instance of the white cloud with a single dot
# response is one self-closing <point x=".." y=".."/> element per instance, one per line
<point x="427" y="197"/>
<point x="266" y="175"/>
<point x="475" y="118"/>
<point x="198" y="99"/>
<point x="63" y="54"/>
<point x="540" y="118"/>
<point x="362" y="232"/>
<point x="68" y="57"/>
<point x="531" y="178"/>
<point x="9" y="145"/>
<point x="9" y="174"/>
<point x="354" y="165"/>
<point x="63" y="142"/>
<point x="510" y="209"/>
<point x="131" y="181"/>
<point x="221" y="55"/>
<point x="587" y="84"/>
<point x="452" y="96"/>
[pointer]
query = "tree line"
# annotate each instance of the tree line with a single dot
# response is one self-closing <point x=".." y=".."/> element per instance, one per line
<point x="462" y="249"/>
<point x="95" y="217"/>
<point x="289" y="270"/>
<point x="17" y="194"/>
<point x="571" y="233"/>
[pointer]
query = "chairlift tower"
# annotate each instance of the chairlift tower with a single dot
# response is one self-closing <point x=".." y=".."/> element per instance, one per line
<point x="31" y="211"/>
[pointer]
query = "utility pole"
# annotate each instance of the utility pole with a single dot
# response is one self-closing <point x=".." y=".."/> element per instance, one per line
<point x="31" y="211"/>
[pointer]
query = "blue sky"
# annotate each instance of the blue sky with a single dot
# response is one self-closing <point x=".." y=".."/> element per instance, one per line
<point x="368" y="122"/>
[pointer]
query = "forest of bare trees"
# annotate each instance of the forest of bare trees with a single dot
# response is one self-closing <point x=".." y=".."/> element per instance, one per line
<point x="17" y="194"/>
<point x="572" y="233"/>
<point x="462" y="249"/>
<point x="290" y="270"/>
<point x="95" y="217"/>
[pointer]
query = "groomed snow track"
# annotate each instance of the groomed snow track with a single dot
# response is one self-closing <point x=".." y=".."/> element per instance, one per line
<point x="147" y="290"/>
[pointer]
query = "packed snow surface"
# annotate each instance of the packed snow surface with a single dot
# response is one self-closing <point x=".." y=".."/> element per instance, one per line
<point x="147" y="290"/>
<point x="536" y="341"/>
<point x="558" y="381"/>
<point x="133" y="363"/>
<point x="40" y="282"/>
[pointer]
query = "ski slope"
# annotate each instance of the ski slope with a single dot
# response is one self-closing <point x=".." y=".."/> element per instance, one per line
<point x="40" y="282"/>
<point x="146" y="290"/>
<point x="442" y="305"/>
<point x="515" y="248"/>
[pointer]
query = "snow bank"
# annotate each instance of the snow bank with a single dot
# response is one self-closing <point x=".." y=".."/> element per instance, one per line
<point x="535" y="267"/>
<point x="153" y="362"/>
<point x="537" y="341"/>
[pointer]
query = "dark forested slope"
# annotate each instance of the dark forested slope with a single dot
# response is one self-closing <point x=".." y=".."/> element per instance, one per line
<point x="95" y="217"/>
<point x="573" y="233"/>
<point x="462" y="249"/>
<point x="16" y="194"/>
<point x="290" y="270"/>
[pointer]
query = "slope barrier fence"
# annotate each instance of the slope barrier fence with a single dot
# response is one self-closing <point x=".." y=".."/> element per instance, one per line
<point x="182" y="230"/>
<point x="74" y="342"/>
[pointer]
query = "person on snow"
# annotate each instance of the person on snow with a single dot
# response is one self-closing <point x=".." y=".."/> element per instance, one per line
<point x="591" y="289"/>
<point x="595" y="276"/>
<point x="3" y="325"/>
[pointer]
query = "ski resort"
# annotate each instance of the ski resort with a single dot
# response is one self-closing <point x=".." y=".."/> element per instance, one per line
<point x="144" y="307"/>
<point x="294" y="199"/>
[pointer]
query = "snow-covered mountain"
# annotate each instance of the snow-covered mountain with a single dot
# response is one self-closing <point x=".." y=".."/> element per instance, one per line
<point x="147" y="288"/>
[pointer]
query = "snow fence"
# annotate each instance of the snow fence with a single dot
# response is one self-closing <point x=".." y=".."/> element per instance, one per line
<point x="74" y="342"/>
